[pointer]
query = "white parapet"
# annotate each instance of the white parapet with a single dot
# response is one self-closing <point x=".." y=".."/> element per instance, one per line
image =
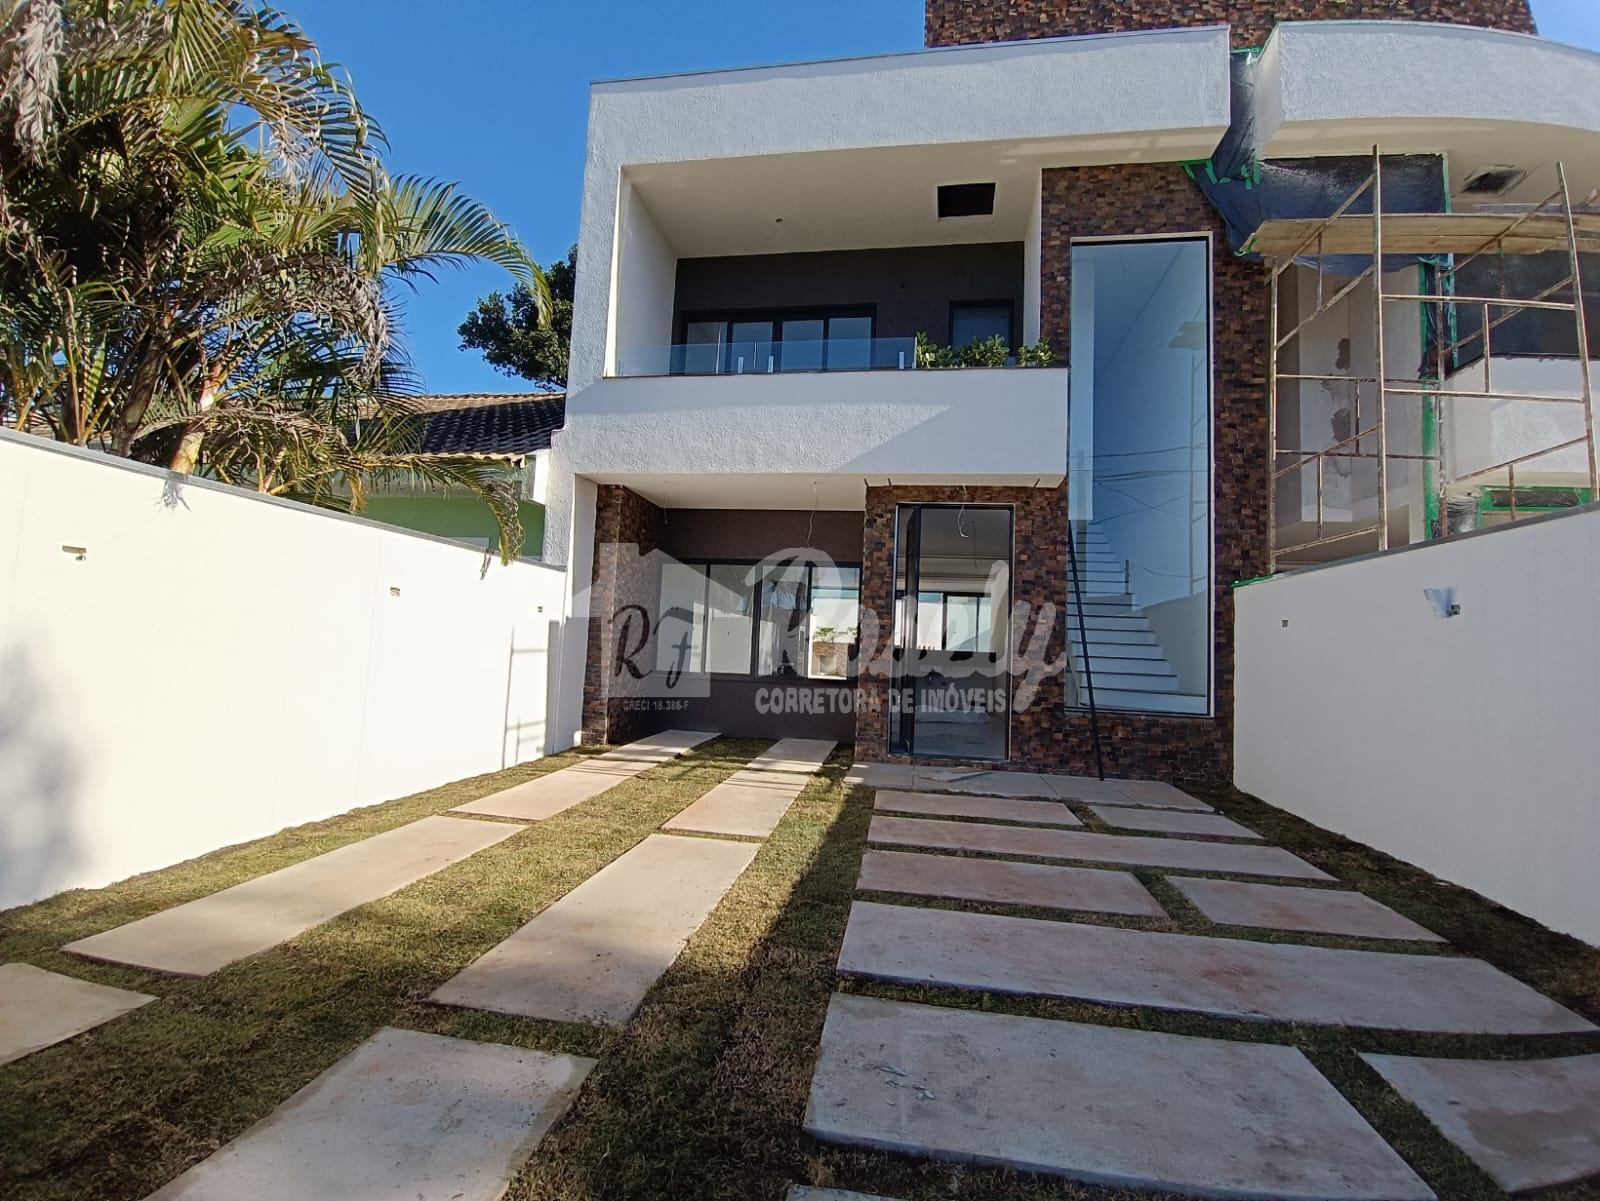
<point x="1000" y="426"/>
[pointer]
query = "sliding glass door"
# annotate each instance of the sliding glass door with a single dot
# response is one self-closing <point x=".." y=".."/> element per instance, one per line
<point x="1139" y="478"/>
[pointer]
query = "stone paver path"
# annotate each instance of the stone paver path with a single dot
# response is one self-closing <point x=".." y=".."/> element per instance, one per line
<point x="1089" y="847"/>
<point x="1140" y="1108"/>
<point x="1170" y="821"/>
<point x="748" y="804"/>
<point x="201" y="936"/>
<point x="1022" y="784"/>
<point x="1090" y="889"/>
<point x="593" y="955"/>
<point x="1305" y="910"/>
<point x="801" y="1192"/>
<point x="39" y="1009"/>
<point x="405" y="1114"/>
<point x="752" y="801"/>
<point x="545" y="796"/>
<point x="1115" y="1107"/>
<point x="802" y="756"/>
<point x="931" y="804"/>
<point x="1528" y="1123"/>
<point x="1223" y="977"/>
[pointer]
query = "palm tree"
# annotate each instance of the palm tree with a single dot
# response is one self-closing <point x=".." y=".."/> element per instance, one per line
<point x="199" y="246"/>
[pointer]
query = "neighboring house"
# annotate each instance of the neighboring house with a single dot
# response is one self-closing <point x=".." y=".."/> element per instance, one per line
<point x="760" y="249"/>
<point x="512" y="428"/>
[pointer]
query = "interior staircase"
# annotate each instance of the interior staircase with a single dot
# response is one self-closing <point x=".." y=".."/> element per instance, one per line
<point x="1127" y="660"/>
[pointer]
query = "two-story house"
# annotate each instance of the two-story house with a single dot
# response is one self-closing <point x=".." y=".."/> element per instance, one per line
<point x="785" y="514"/>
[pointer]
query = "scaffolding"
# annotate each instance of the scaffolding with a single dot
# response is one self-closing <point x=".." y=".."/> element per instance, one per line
<point x="1453" y="241"/>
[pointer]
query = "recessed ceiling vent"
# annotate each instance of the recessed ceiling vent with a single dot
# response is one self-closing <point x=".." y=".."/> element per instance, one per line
<point x="966" y="200"/>
<point x="1493" y="181"/>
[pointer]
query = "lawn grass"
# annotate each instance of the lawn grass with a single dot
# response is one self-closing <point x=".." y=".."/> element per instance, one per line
<point x="702" y="1094"/>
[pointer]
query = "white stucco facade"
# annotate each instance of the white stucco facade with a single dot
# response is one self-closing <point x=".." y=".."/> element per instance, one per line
<point x="1117" y="98"/>
<point x="1480" y="96"/>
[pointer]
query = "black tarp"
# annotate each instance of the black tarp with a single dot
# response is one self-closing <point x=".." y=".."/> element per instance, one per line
<point x="1247" y="190"/>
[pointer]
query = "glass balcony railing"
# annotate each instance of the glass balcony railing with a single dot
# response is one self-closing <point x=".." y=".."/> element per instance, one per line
<point x="764" y="358"/>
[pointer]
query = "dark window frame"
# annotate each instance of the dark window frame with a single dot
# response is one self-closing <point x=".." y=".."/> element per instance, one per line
<point x="755" y="672"/>
<point x="777" y="316"/>
<point x="999" y="303"/>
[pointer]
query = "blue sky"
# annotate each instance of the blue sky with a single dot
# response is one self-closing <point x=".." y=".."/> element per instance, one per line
<point x="494" y="94"/>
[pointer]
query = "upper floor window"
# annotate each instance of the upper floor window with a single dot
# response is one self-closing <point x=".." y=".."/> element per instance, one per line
<point x="803" y="340"/>
<point x="976" y="321"/>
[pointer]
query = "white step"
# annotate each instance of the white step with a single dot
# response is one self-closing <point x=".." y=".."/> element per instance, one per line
<point x="1128" y="667"/>
<point x="1119" y="698"/>
<point x="1099" y="649"/>
<point x="1131" y="682"/>
<point x="1124" y="634"/>
<point x="1103" y="606"/>
<point x="1122" y="620"/>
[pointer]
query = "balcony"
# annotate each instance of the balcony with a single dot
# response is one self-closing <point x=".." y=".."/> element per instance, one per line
<point x="818" y="435"/>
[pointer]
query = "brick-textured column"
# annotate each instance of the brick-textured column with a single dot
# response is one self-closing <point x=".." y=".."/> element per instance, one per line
<point x="964" y="22"/>
<point x="627" y="530"/>
<point x="1038" y="580"/>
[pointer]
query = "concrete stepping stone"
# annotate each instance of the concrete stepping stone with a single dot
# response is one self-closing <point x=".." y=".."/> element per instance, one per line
<point x="1170" y="821"/>
<point x="800" y="1192"/>
<point x="1307" y="910"/>
<point x="1528" y="1123"/>
<point x="803" y="756"/>
<point x="405" y="1114"/>
<point x="1223" y="977"/>
<point x="1155" y="794"/>
<point x="197" y="938"/>
<point x="593" y="955"/>
<point x="1124" y="1108"/>
<point x="931" y="804"/>
<point x="545" y="796"/>
<point x="39" y="1009"/>
<point x="1090" y="847"/>
<point x="1035" y="785"/>
<point x="1089" y="889"/>
<point x="747" y="804"/>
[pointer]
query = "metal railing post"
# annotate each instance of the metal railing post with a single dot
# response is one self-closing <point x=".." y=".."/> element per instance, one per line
<point x="1581" y="320"/>
<point x="1378" y="349"/>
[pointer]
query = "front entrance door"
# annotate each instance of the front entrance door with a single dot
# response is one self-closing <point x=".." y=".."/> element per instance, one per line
<point x="952" y="602"/>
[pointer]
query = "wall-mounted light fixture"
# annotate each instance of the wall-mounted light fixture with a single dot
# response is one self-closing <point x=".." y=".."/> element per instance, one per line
<point x="394" y="592"/>
<point x="80" y="553"/>
<point x="1443" y="601"/>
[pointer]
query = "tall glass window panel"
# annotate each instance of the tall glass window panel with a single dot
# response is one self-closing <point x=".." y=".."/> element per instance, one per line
<point x="968" y="624"/>
<point x="803" y="344"/>
<point x="930" y="621"/>
<point x="680" y="620"/>
<point x="849" y="343"/>
<point x="782" y="636"/>
<point x="750" y="347"/>
<point x="834" y="621"/>
<point x="1139" y="478"/>
<point x="728" y="618"/>
<point x="703" y="345"/>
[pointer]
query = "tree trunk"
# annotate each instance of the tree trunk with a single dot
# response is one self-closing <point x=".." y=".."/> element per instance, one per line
<point x="187" y="457"/>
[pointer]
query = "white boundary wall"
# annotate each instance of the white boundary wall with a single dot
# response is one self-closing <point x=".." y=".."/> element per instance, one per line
<point x="221" y="665"/>
<point x="1467" y="745"/>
